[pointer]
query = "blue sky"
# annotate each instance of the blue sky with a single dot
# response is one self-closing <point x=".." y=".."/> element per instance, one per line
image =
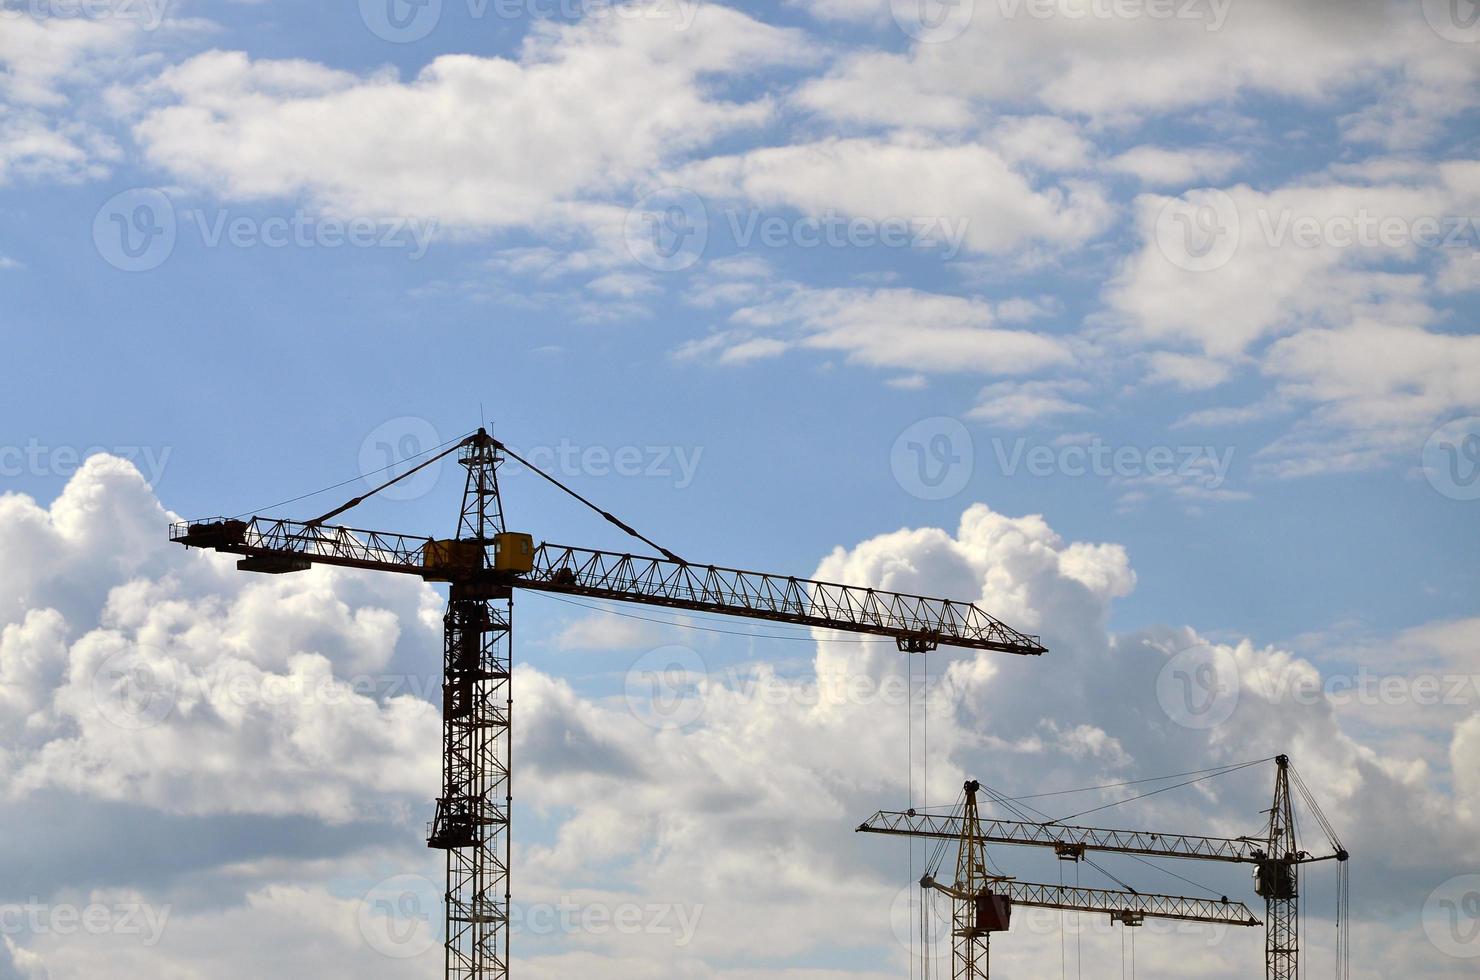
<point x="1123" y="232"/>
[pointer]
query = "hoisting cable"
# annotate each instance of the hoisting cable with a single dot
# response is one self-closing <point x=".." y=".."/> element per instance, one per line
<point x="1078" y="933"/>
<point x="345" y="483"/>
<point x="1343" y="877"/>
<point x="317" y="521"/>
<point x="1009" y="804"/>
<point x="909" y="775"/>
<point x="925" y="741"/>
<point x="613" y="519"/>
<point x="1063" y="949"/>
<point x="1101" y="869"/>
<point x="1155" y="792"/>
<point x="1137" y="782"/>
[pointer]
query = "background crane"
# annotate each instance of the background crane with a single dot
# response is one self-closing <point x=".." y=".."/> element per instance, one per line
<point x="1275" y="856"/>
<point x="484" y="563"/>
<point x="982" y="902"/>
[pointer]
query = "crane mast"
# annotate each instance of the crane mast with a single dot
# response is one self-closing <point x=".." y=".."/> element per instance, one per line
<point x="1278" y="882"/>
<point x="472" y="817"/>
<point x="484" y="564"/>
<point x="978" y="913"/>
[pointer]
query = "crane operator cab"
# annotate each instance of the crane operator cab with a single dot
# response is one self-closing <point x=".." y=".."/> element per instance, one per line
<point x="513" y="552"/>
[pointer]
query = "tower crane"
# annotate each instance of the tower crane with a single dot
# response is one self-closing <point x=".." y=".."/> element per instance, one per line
<point x="983" y="902"/>
<point x="1276" y="856"/>
<point x="484" y="564"/>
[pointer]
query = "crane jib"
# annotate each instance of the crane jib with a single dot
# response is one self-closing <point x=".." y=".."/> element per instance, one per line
<point x="916" y="622"/>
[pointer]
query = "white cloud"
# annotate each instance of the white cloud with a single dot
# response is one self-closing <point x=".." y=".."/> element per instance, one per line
<point x="1044" y="141"/>
<point x="924" y="182"/>
<point x="1378" y="391"/>
<point x="1020" y="404"/>
<point x="745" y="813"/>
<point x="1161" y="166"/>
<point x="1329" y="286"/>
<point x="587" y="109"/>
<point x="1070" y="59"/>
<point x="139" y="673"/>
<point x="47" y="63"/>
<point x="1186" y="371"/>
<point x="882" y="328"/>
<point x="606" y="631"/>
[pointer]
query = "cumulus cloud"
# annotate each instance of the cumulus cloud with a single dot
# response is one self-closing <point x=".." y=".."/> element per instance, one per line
<point x="1020" y="404"/>
<point x="1329" y="285"/>
<point x="614" y="97"/>
<point x="879" y="328"/>
<point x="44" y="62"/>
<point x="1079" y="59"/>
<point x="1157" y="165"/>
<point x="739" y="812"/>
<point x="933" y="185"/>
<point x="137" y="673"/>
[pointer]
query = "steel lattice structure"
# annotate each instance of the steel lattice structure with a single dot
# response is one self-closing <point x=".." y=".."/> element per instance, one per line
<point x="1279" y="884"/>
<point x="1276" y="859"/>
<point x="909" y="619"/>
<point x="1133" y="905"/>
<point x="983" y="901"/>
<point x="472" y="819"/>
<point x="473" y="815"/>
<point x="941" y="826"/>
